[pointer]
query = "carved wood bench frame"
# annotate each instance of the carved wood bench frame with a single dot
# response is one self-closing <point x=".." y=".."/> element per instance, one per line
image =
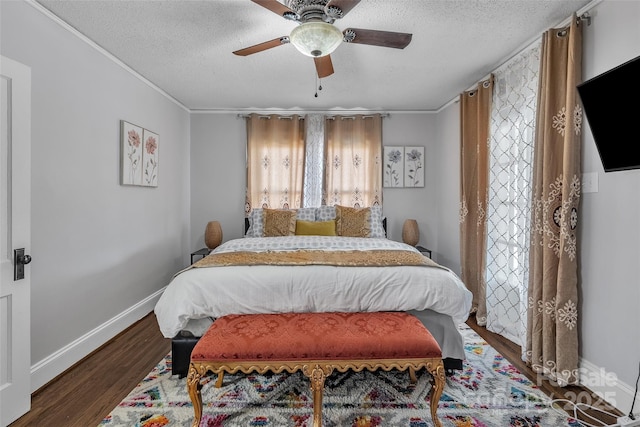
<point x="317" y="371"/>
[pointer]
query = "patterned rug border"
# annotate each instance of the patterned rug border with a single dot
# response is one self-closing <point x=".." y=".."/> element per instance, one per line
<point x="489" y="391"/>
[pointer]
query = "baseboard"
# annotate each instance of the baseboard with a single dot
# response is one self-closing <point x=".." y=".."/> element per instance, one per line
<point x="58" y="362"/>
<point x="606" y="385"/>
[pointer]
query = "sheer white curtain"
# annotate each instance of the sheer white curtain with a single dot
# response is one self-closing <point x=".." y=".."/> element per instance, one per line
<point x="511" y="144"/>
<point x="313" y="160"/>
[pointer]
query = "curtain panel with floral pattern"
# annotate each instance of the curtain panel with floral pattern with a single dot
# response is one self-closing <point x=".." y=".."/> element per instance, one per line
<point x="353" y="154"/>
<point x="475" y="111"/>
<point x="552" y="328"/>
<point x="275" y="161"/>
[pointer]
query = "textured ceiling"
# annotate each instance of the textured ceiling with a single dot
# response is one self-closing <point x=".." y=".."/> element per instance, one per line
<point x="185" y="48"/>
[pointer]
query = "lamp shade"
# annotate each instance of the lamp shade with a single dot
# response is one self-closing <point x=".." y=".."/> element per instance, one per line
<point x="410" y="232"/>
<point x="213" y="234"/>
<point x="315" y="39"/>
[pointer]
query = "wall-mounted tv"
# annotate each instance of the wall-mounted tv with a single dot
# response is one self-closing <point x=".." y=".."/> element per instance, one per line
<point x="611" y="103"/>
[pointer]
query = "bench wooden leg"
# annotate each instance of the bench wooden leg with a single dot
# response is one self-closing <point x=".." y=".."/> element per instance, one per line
<point x="193" y="387"/>
<point x="438" y="381"/>
<point x="412" y="375"/>
<point x="220" y="379"/>
<point x="317" y="375"/>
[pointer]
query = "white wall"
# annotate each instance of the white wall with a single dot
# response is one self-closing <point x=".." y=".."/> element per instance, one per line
<point x="218" y="175"/>
<point x="415" y="203"/>
<point x="448" y="196"/>
<point x="99" y="249"/>
<point x="610" y="228"/>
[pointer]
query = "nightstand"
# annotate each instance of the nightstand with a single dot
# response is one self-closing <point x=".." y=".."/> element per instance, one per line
<point x="424" y="251"/>
<point x="200" y="252"/>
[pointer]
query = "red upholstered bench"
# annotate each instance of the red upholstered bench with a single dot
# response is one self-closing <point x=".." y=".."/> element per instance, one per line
<point x="316" y="344"/>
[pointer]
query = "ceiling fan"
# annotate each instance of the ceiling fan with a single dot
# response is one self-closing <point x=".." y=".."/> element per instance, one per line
<point x="316" y="36"/>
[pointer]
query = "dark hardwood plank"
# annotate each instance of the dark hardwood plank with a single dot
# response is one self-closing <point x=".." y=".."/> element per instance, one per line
<point x="87" y="392"/>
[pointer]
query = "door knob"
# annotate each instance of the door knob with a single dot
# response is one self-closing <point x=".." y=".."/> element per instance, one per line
<point x="20" y="259"/>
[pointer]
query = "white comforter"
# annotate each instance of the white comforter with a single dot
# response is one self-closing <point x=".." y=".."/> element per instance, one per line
<point x="199" y="293"/>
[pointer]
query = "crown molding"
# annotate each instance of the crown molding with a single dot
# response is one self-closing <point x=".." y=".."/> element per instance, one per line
<point x="46" y="12"/>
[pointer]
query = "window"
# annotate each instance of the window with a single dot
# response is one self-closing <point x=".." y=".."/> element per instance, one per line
<point x="294" y="162"/>
<point x="275" y="161"/>
<point x="353" y="168"/>
<point x="509" y="199"/>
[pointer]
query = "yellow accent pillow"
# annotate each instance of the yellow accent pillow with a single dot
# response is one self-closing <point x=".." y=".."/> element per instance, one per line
<point x="315" y="228"/>
<point x="353" y="222"/>
<point x="279" y="222"/>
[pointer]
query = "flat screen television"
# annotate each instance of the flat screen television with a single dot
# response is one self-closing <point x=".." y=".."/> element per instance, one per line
<point x="611" y="103"/>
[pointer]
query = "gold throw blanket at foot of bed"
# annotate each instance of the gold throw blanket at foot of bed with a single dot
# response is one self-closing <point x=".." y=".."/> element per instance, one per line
<point x="376" y="258"/>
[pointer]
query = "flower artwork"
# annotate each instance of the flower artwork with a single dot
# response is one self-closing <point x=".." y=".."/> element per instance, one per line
<point x="150" y="159"/>
<point x="414" y="166"/>
<point x="131" y="136"/>
<point x="139" y="155"/>
<point x="393" y="166"/>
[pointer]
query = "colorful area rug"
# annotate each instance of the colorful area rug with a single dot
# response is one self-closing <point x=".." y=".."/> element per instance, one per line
<point x="488" y="392"/>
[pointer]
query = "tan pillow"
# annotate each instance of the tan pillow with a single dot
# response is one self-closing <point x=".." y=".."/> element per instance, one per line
<point x="353" y="222"/>
<point x="279" y="222"/>
<point x="315" y="228"/>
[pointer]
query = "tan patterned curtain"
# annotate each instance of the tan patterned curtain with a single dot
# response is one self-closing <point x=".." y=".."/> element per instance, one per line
<point x="475" y="113"/>
<point x="275" y="161"/>
<point x="552" y="333"/>
<point x="353" y="171"/>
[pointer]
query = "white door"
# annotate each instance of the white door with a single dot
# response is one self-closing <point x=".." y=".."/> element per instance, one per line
<point x="15" y="233"/>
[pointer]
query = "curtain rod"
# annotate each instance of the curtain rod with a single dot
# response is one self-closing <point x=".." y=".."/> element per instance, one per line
<point x="332" y="117"/>
<point x="382" y="115"/>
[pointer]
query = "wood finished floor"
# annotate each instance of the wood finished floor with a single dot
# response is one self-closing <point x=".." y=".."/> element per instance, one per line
<point x="87" y="392"/>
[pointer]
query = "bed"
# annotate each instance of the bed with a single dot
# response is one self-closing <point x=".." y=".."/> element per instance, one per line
<point x="313" y="273"/>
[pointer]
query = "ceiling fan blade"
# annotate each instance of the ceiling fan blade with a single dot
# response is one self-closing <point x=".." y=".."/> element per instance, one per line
<point x="344" y="5"/>
<point x="324" y="66"/>
<point x="274" y="6"/>
<point x="262" y="46"/>
<point x="377" y="38"/>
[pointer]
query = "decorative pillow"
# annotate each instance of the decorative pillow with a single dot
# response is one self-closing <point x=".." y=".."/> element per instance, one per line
<point x="353" y="222"/>
<point x="377" y="230"/>
<point x="315" y="228"/>
<point x="279" y="222"/>
<point x="256" y="223"/>
<point x="325" y="213"/>
<point x="256" y="220"/>
<point x="306" y="214"/>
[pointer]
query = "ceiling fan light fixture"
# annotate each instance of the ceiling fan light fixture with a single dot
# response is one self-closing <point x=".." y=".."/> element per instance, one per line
<point x="316" y="39"/>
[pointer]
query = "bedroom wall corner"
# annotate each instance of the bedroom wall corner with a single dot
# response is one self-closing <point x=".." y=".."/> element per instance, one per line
<point x="218" y="174"/>
<point x="448" y="196"/>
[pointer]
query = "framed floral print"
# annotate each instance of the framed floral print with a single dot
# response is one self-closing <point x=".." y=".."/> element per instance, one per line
<point x="150" y="158"/>
<point x="393" y="165"/>
<point x="138" y="155"/>
<point x="414" y="166"/>
<point x="130" y="153"/>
